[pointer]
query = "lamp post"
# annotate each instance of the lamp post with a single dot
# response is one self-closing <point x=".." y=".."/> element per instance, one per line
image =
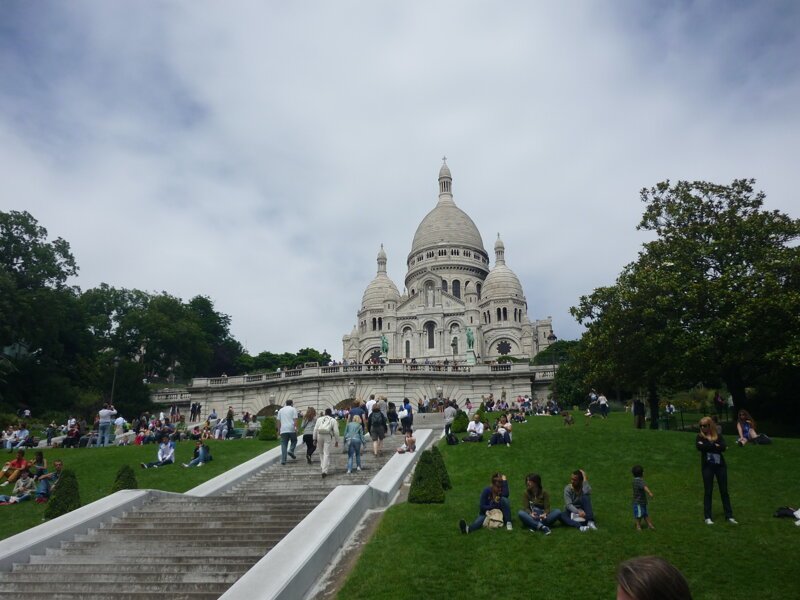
<point x="552" y="338"/>
<point x="114" y="379"/>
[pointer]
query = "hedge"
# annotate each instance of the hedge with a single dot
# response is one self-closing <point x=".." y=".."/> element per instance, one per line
<point x="66" y="496"/>
<point x="460" y="422"/>
<point x="268" y="431"/>
<point x="438" y="461"/>
<point x="426" y="486"/>
<point x="125" y="480"/>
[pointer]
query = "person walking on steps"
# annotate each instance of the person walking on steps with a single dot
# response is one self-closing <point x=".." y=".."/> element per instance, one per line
<point x="287" y="421"/>
<point x="326" y="433"/>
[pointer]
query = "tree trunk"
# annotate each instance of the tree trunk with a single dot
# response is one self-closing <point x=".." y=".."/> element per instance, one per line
<point x="652" y="400"/>
<point x="736" y="387"/>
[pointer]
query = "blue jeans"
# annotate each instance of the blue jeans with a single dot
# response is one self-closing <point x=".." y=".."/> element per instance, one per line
<point x="286" y="439"/>
<point x="104" y="435"/>
<point x="585" y="504"/>
<point x="505" y="506"/>
<point x="536" y="524"/>
<point x="201" y="458"/>
<point x="354" y="449"/>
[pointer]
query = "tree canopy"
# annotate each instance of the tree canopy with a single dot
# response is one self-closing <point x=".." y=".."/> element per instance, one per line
<point x="60" y="348"/>
<point x="714" y="297"/>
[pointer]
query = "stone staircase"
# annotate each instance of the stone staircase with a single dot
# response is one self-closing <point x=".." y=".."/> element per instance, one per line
<point x="188" y="547"/>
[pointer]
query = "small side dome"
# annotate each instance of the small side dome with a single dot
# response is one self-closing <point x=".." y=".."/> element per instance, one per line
<point x="501" y="282"/>
<point x="381" y="288"/>
<point x="499" y="245"/>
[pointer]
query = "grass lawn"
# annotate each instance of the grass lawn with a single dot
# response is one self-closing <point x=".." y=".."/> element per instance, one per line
<point x="418" y="551"/>
<point x="96" y="469"/>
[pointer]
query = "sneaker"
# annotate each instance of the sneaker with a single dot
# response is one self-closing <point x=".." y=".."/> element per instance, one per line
<point x="508" y="445"/>
<point x="509" y="526"/>
<point x="583" y="528"/>
<point x="6" y="482"/>
<point x="797" y="523"/>
<point x="349" y="471"/>
<point x="144" y="466"/>
<point x="462" y="525"/>
<point x="709" y="522"/>
<point x="292" y="455"/>
<point x="324" y="475"/>
<point x="733" y="521"/>
<point x="546" y="530"/>
<point x="184" y="465"/>
<point x="358" y="468"/>
<point x="591" y="525"/>
<point x="308" y="459"/>
<point x="200" y="464"/>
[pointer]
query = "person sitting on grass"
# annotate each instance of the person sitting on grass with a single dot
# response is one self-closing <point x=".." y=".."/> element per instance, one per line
<point x="474" y="430"/>
<point x="502" y="433"/>
<point x="23" y="489"/>
<point x="538" y="516"/>
<point x="166" y="455"/>
<point x="12" y="469"/>
<point x="20" y="440"/>
<point x="578" y="503"/>
<point x="200" y="456"/>
<point x="493" y="497"/>
<point x="48" y="481"/>
<point x="746" y="427"/>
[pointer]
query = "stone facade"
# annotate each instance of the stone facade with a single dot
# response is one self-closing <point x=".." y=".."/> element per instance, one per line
<point x="449" y="288"/>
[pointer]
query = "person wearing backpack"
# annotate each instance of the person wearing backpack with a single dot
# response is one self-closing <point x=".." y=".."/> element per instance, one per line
<point x="326" y="431"/>
<point x="378" y="424"/>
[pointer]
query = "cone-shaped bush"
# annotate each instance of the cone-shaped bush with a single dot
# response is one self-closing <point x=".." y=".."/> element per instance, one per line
<point x="426" y="486"/>
<point x="460" y="422"/>
<point x="66" y="496"/>
<point x="438" y="461"/>
<point x="268" y="431"/>
<point x="125" y="480"/>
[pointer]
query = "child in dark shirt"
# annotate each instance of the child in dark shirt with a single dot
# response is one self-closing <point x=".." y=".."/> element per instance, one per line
<point x="640" y="493"/>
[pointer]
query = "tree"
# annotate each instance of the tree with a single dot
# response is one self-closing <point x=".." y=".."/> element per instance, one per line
<point x="716" y="296"/>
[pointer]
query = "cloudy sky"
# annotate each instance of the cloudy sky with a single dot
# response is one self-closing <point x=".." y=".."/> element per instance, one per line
<point x="260" y="152"/>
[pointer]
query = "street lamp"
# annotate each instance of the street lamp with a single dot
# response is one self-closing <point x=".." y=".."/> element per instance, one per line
<point x="114" y="379"/>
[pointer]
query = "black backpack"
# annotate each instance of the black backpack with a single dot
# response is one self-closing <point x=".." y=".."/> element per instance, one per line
<point x="452" y="440"/>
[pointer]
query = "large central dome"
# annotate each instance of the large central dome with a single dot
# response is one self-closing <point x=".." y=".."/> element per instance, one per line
<point x="446" y="223"/>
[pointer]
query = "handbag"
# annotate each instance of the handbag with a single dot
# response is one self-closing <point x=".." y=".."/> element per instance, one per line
<point x="402" y="414"/>
<point x="494" y="518"/>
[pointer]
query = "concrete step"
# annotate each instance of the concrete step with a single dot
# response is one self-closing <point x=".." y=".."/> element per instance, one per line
<point x="40" y="586"/>
<point x="61" y="558"/>
<point x="136" y="550"/>
<point x="114" y="568"/>
<point x="176" y="594"/>
<point x="187" y="538"/>
<point x="219" y="528"/>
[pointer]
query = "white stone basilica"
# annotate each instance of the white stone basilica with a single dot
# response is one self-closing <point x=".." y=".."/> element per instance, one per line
<point x="449" y="289"/>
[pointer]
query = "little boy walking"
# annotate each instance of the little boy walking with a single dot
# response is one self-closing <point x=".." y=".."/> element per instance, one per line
<point x="640" y="493"/>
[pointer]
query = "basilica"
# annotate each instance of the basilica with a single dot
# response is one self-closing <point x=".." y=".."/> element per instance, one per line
<point x="454" y="306"/>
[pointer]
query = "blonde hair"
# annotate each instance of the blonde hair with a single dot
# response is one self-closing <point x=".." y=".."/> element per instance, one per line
<point x="711" y="433"/>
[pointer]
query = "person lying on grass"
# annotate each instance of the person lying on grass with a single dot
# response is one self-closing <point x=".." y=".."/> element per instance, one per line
<point x="166" y="455"/>
<point x="494" y="497"/>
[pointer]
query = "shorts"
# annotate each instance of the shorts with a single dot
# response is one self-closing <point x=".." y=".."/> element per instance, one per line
<point x="640" y="511"/>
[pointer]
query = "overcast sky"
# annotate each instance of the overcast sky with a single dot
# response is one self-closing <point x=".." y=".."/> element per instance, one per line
<point x="260" y="152"/>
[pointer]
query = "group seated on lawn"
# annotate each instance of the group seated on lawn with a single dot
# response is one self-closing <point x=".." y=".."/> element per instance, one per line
<point x="27" y="485"/>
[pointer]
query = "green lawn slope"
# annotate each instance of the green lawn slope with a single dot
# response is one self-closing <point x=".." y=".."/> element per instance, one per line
<point x="418" y="551"/>
<point x="96" y="468"/>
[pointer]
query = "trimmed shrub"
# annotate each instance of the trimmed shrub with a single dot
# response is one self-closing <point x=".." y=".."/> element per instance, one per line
<point x="438" y="461"/>
<point x="460" y="422"/>
<point x="66" y="496"/>
<point x="426" y="486"/>
<point x="125" y="480"/>
<point x="268" y="432"/>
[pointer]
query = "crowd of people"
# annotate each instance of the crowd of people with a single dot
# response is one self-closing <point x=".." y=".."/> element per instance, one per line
<point x="31" y="479"/>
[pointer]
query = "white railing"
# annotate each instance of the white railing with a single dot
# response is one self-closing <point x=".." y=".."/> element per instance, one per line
<point x="540" y="373"/>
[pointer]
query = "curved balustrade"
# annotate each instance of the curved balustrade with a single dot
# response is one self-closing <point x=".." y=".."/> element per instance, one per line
<point x="540" y="373"/>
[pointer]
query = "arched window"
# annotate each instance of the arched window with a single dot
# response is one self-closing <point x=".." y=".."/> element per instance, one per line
<point x="380" y="323"/>
<point x="408" y="348"/>
<point x="505" y="314"/>
<point x="430" y="329"/>
<point x="456" y="288"/>
<point x="499" y="315"/>
<point x="444" y="285"/>
<point x="478" y="288"/>
<point x="374" y="323"/>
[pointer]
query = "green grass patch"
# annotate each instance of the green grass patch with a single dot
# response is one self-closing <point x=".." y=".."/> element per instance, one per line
<point x="433" y="559"/>
<point x="96" y="470"/>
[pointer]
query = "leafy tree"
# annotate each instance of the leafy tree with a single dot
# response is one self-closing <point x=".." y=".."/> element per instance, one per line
<point x="715" y="296"/>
